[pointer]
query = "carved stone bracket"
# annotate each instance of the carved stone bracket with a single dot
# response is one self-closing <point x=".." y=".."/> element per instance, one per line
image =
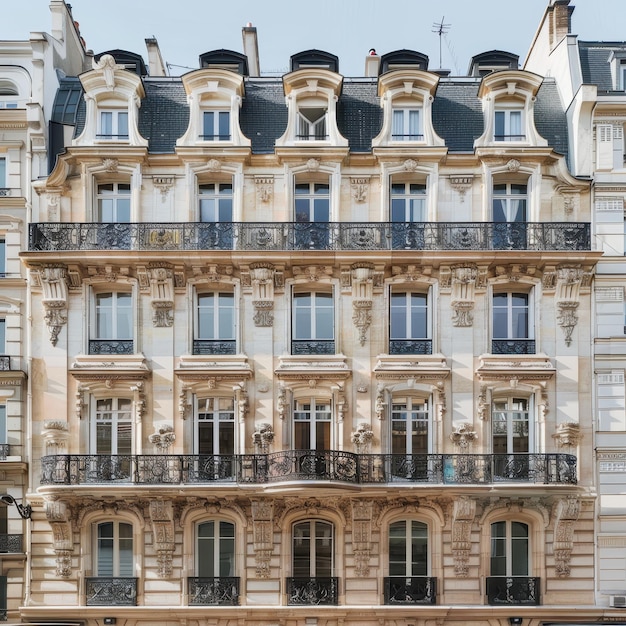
<point x="461" y="184"/>
<point x="362" y="438"/>
<point x="60" y="520"/>
<point x="162" y="518"/>
<point x="161" y="281"/>
<point x="463" y="437"/>
<point x="53" y="280"/>
<point x="567" y="435"/>
<point x="262" y="279"/>
<point x="362" y="278"/>
<point x="362" y="317"/>
<point x="56" y="435"/>
<point x="262" y="521"/>
<point x="566" y="512"/>
<point x="264" y="187"/>
<point x="463" y="514"/>
<point x="359" y="186"/>
<point x="163" y="438"/>
<point x="380" y="401"/>
<point x="262" y="437"/>
<point x="163" y="184"/>
<point x="362" y="535"/>
<point x="568" y="284"/>
<point x="463" y="279"/>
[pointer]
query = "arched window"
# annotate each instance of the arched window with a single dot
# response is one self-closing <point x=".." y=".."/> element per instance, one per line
<point x="114" y="549"/>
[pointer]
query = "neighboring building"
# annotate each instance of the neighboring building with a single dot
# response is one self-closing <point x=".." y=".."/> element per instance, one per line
<point x="591" y="77"/>
<point x="28" y="88"/>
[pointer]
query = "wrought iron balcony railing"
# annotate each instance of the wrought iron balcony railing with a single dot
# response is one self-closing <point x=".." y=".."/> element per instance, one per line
<point x="513" y="590"/>
<point x="309" y="465"/>
<point x="513" y="346"/>
<point x="5" y="363"/>
<point x="410" y="590"/>
<point x="312" y="346"/>
<point x="11" y="544"/>
<point x="214" y="346"/>
<point x="268" y="236"/>
<point x="4" y="451"/>
<point x="220" y="590"/>
<point x="111" y="346"/>
<point x="103" y="591"/>
<point x="410" y="346"/>
<point x="313" y="590"/>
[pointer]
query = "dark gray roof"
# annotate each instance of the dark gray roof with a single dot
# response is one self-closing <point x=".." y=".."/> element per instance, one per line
<point x="594" y="62"/>
<point x="457" y="113"/>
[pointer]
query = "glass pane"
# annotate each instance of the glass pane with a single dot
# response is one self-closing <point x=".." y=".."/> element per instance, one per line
<point x="321" y="210"/>
<point x="3" y="348"/>
<point x="397" y="130"/>
<point x="105" y="549"/>
<point x="206" y="316"/>
<point x="124" y="316"/>
<point x="303" y="210"/>
<point x="208" y="209"/>
<point x="125" y="550"/>
<point x="519" y="549"/>
<point x="302" y="435"/>
<point x="209" y="124"/>
<point x="499" y="130"/>
<point x="124" y="438"/>
<point x="323" y="549"/>
<point x="515" y="120"/>
<point x="324" y="317"/>
<point x="226" y="438"/>
<point x="225" y="210"/>
<point x="419" y="549"/>
<point x="498" y="549"/>
<point x="397" y="549"/>
<point x="226" y="321"/>
<point x="205" y="438"/>
<point x="3" y="424"/>
<point x="106" y="123"/>
<point x="205" y="564"/>
<point x="224" y="125"/>
<point x="302" y="550"/>
<point x="322" y="436"/>
<point x="123" y="210"/>
<point x="122" y="124"/>
<point x="414" y="124"/>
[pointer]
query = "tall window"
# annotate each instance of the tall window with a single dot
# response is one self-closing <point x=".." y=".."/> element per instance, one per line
<point x="509" y="549"/>
<point x="3" y="428"/>
<point x="508" y="125"/>
<point x="113" y="125"/>
<point x="510" y="430"/>
<point x="215" y="553"/>
<point x="408" y="202"/>
<point x="510" y="216"/>
<point x="216" y="125"/>
<point x="216" y="202"/>
<point x="114" y="549"/>
<point x="3" y="341"/>
<point x="512" y="324"/>
<point x="3" y="173"/>
<point x="313" y="323"/>
<point x="215" y="323"/>
<point x="114" y="203"/>
<point x="215" y="426"/>
<point x="406" y="125"/>
<point x="113" y="324"/>
<point x="408" y="549"/>
<point x="408" y="321"/>
<point x="3" y="257"/>
<point x="311" y="425"/>
<point x="410" y="426"/>
<point x="312" y="213"/>
<point x="112" y="429"/>
<point x="312" y="123"/>
<point x="313" y="549"/>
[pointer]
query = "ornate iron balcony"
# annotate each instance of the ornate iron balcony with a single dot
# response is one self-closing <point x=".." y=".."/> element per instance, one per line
<point x="314" y="590"/>
<point x="470" y="236"/>
<point x="222" y="591"/>
<point x="309" y="465"/>
<point x="513" y="590"/>
<point x="410" y="590"/>
<point x="102" y="591"/>
<point x="214" y="346"/>
<point x="111" y="346"/>
<point x="5" y="363"/>
<point x="410" y="346"/>
<point x="513" y="346"/>
<point x="4" y="451"/>
<point x="312" y="346"/>
<point x="11" y="544"/>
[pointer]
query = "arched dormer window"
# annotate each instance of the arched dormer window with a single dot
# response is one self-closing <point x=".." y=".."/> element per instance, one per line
<point x="508" y="99"/>
<point x="214" y="97"/>
<point x="406" y="96"/>
<point x="312" y="95"/>
<point x="113" y="95"/>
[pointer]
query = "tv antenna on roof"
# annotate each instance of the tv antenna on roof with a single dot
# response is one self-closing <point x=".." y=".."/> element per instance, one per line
<point x="441" y="29"/>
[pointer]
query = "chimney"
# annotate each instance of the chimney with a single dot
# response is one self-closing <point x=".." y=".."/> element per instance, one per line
<point x="372" y="64"/>
<point x="560" y="20"/>
<point x="156" y="67"/>
<point x="251" y="49"/>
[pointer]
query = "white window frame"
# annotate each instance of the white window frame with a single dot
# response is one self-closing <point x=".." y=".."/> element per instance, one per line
<point x="314" y="540"/>
<point x="220" y="549"/>
<point x="511" y="333"/>
<point x="217" y="304"/>
<point x="213" y="120"/>
<point x="408" y="539"/>
<point x="513" y="405"/>
<point x="319" y="411"/>
<point x="311" y="198"/>
<point x="315" y="129"/>
<point x="118" y="569"/>
<point x="318" y="306"/>
<point x="113" y="125"/>
<point x="508" y="114"/>
<point x="414" y="408"/>
<point x="508" y="551"/>
<point x="414" y="197"/>
<point x="218" y="198"/>
<point x="117" y="197"/>
<point x="121" y="418"/>
<point x="403" y="119"/>
<point x="407" y="308"/>
<point x="117" y="309"/>
<point x="216" y="414"/>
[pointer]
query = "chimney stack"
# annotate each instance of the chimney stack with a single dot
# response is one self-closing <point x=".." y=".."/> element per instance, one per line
<point x="560" y="16"/>
<point x="372" y="64"/>
<point x="251" y="49"/>
<point x="156" y="67"/>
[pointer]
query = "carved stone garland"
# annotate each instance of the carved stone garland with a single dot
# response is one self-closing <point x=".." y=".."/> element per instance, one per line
<point x="53" y="282"/>
<point x="463" y="289"/>
<point x="568" y="283"/>
<point x="567" y="512"/>
<point x="262" y="521"/>
<point x="59" y="518"/>
<point x="162" y="293"/>
<point x="463" y="515"/>
<point x="262" y="278"/>
<point x="362" y="299"/>
<point x="362" y="535"/>
<point x="162" y="518"/>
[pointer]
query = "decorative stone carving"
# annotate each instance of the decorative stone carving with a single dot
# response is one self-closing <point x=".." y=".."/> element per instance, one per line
<point x="53" y="281"/>
<point x="463" y="513"/>
<point x="380" y="401"/>
<point x="184" y="406"/>
<point x="281" y="402"/>
<point x="54" y="203"/>
<point x="262" y="437"/>
<point x="55" y="434"/>
<point x="214" y="165"/>
<point x="313" y="165"/>
<point x="262" y="279"/>
<point x="359" y="186"/>
<point x="463" y="437"/>
<point x="568" y="284"/>
<point x="163" y="184"/>
<point x="162" y="518"/>
<point x="410" y="165"/>
<point x="461" y="184"/>
<point x="161" y="280"/>
<point x="567" y="435"/>
<point x="463" y="278"/>
<point x="362" y="438"/>
<point x="513" y="165"/>
<point x="110" y="165"/>
<point x="262" y="521"/>
<point x="264" y="187"/>
<point x="566" y="513"/>
<point x="362" y="535"/>
<point x="242" y="403"/>
<point x="362" y="298"/>
<point x="59" y="517"/>
<point x="163" y="438"/>
<point x="483" y="403"/>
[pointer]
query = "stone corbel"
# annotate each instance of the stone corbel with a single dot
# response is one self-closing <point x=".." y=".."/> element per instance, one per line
<point x="463" y="293"/>
<point x="163" y="438"/>
<point x="362" y="535"/>
<point x="567" y="511"/>
<point x="359" y="186"/>
<point x="483" y="402"/>
<point x="380" y="401"/>
<point x="54" y="300"/>
<point x="241" y="397"/>
<point x="139" y="400"/>
<point x="463" y="437"/>
<point x="162" y="294"/>
<point x="264" y="187"/>
<point x="567" y="435"/>
<point x="463" y="514"/>
<point x="262" y="521"/>
<point x="262" y="437"/>
<point x="162" y="518"/>
<point x="281" y="401"/>
<point x="163" y="184"/>
<point x="262" y="278"/>
<point x="461" y="184"/>
<point x="362" y="438"/>
<point x="59" y="517"/>
<point x="184" y="406"/>
<point x="56" y="435"/>
<point x="362" y="298"/>
<point x="568" y="284"/>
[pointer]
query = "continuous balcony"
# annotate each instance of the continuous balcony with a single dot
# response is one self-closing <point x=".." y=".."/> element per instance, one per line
<point x="428" y="236"/>
<point x="307" y="465"/>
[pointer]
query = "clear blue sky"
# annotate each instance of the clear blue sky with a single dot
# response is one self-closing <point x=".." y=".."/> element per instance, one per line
<point x="348" y="28"/>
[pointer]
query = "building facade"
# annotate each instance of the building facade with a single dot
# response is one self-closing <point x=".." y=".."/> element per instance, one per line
<point x="266" y="382"/>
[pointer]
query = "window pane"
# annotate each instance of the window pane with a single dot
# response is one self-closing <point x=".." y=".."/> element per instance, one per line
<point x="126" y="550"/>
<point x="397" y="549"/>
<point x="3" y="345"/>
<point x="224" y="125"/>
<point x="499" y="124"/>
<point x="414" y="124"/>
<point x="106" y="123"/>
<point x="498" y="549"/>
<point x="323" y="549"/>
<point x="419" y="549"/>
<point x="209" y="124"/>
<point x="122" y="124"/>
<point x="302" y="550"/>
<point x="3" y="424"/>
<point x="515" y="118"/>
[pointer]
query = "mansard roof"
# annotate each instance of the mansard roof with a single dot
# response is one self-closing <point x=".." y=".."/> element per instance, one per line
<point x="595" y="59"/>
<point x="457" y="113"/>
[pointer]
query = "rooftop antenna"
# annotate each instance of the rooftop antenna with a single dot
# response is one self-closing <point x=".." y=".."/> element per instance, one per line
<point x="441" y="29"/>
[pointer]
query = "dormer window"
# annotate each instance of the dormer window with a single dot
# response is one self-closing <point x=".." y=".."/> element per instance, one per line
<point x="8" y="95"/>
<point x="312" y="123"/>
<point x="508" y="124"/>
<point x="406" y="124"/>
<point x="622" y="75"/>
<point x="216" y="125"/>
<point x="113" y="125"/>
